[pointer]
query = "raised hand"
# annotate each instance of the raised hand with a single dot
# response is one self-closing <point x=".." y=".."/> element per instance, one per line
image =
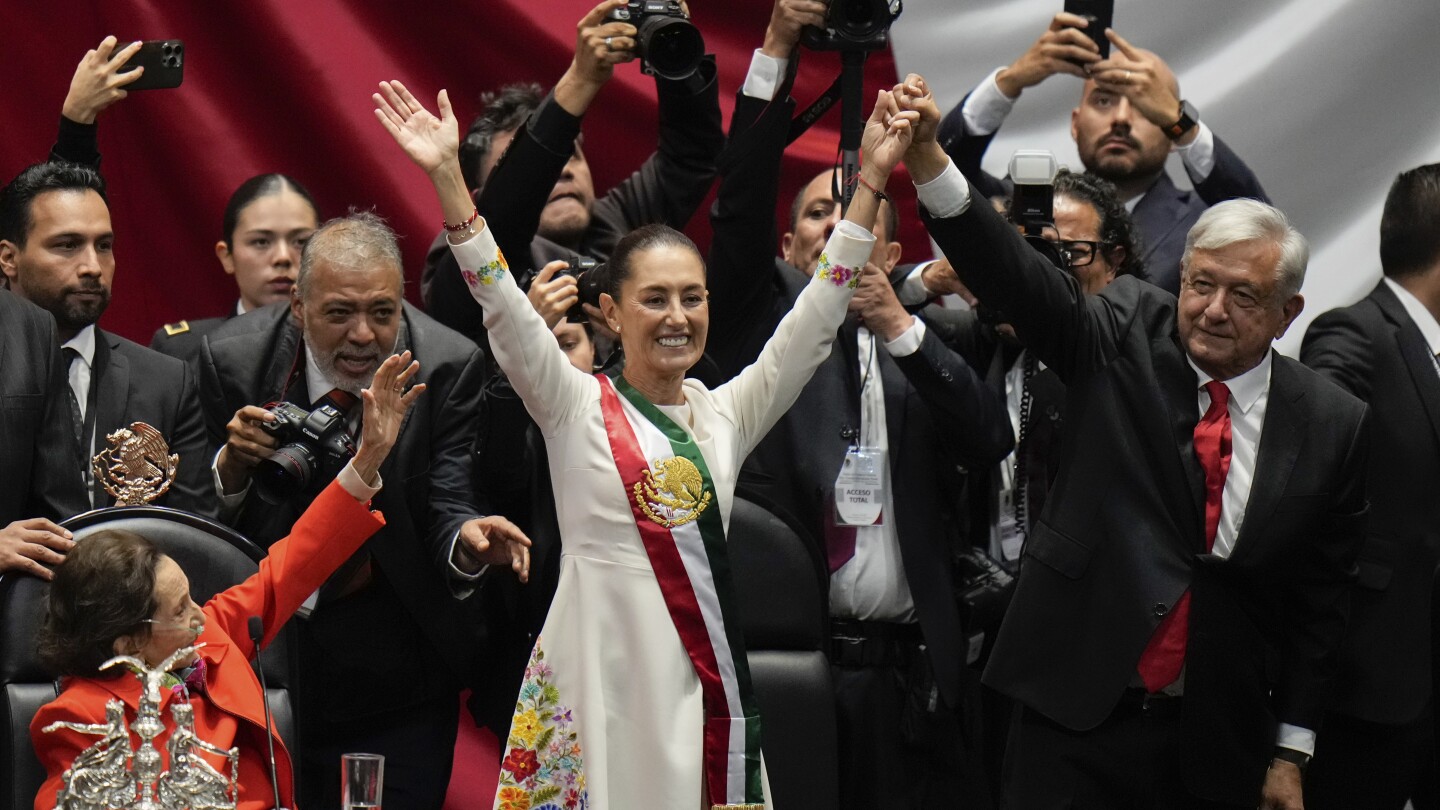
<point x="429" y="141"/>
<point x="914" y="94"/>
<point x="1064" y="48"/>
<point x="386" y="401"/>
<point x="97" y="82"/>
<point x="887" y="135"/>
<point x="599" y="47"/>
<point x="788" y="19"/>
<point x="1142" y="77"/>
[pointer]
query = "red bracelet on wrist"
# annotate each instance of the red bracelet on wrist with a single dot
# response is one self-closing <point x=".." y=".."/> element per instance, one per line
<point x="474" y="215"/>
<point x="879" y="195"/>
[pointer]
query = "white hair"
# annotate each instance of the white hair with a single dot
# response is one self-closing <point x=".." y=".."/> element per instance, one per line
<point x="1235" y="221"/>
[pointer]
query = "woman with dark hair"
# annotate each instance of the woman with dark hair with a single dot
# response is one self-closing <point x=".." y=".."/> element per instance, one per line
<point x="638" y="692"/>
<point x="266" y="223"/>
<point x="116" y="594"/>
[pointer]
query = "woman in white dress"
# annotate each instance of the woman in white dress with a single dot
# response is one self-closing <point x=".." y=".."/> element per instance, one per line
<point x="637" y="694"/>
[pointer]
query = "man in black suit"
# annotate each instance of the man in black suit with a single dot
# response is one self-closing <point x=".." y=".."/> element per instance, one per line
<point x="511" y="153"/>
<point x="890" y="389"/>
<point x="56" y="249"/>
<point x="1130" y="117"/>
<point x="36" y="445"/>
<point x="1184" y="592"/>
<point x="386" y="647"/>
<point x="1378" y="749"/>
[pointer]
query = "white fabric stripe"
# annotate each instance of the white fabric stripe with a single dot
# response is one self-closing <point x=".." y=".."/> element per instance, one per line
<point x="654" y="444"/>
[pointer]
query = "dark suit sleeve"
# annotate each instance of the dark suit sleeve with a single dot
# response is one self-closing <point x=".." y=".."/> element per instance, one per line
<point x="968" y="149"/>
<point x="452" y="493"/>
<point x="1338" y="346"/>
<point x="76" y="143"/>
<point x="193" y="490"/>
<point x="1068" y="330"/>
<point x="740" y="273"/>
<point x="670" y="185"/>
<point x="503" y="462"/>
<point x="1230" y="178"/>
<point x="969" y="415"/>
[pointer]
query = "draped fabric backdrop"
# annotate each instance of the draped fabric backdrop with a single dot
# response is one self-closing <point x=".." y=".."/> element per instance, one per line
<point x="1326" y="99"/>
<point x="285" y="86"/>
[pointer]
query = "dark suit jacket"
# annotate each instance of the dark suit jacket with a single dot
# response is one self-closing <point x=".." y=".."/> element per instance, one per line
<point x="134" y="384"/>
<point x="666" y="189"/>
<point x="1164" y="214"/>
<point x="1122" y="534"/>
<point x="1376" y="352"/>
<point x="37" y="444"/>
<point x="1039" y="441"/>
<point x="427" y="496"/>
<point x="182" y="340"/>
<point x="939" y="413"/>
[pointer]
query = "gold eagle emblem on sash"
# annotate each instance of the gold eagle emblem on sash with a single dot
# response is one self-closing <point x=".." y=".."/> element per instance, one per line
<point x="672" y="493"/>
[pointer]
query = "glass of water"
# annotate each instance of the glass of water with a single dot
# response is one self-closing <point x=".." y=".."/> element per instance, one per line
<point x="362" y="781"/>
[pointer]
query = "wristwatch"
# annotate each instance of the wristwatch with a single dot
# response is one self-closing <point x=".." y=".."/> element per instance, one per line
<point x="1189" y="118"/>
<point x="1297" y="758"/>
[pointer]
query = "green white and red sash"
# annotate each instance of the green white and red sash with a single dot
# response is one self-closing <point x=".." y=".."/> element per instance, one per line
<point x="679" y="522"/>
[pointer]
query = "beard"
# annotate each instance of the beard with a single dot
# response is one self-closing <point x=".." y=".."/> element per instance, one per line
<point x="326" y="362"/>
<point x="73" y="314"/>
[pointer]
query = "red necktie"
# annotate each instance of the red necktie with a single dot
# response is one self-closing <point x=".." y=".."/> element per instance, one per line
<point x="1165" y="654"/>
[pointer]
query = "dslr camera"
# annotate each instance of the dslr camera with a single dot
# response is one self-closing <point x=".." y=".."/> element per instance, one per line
<point x="1032" y="203"/>
<point x="589" y="277"/>
<point x="315" y="445"/>
<point x="668" y="44"/>
<point x="854" y="25"/>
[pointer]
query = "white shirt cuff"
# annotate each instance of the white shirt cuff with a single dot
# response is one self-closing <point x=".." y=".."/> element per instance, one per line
<point x="350" y="481"/>
<point x="764" y="77"/>
<point x="1296" y="738"/>
<point x="912" y="291"/>
<point x="229" y="502"/>
<point x="947" y="195"/>
<point x="986" y="106"/>
<point x="909" y="341"/>
<point x="455" y="569"/>
<point x="1199" y="155"/>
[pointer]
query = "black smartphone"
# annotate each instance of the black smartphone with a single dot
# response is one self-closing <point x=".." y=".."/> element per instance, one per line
<point x="164" y="63"/>
<point x="1100" y="14"/>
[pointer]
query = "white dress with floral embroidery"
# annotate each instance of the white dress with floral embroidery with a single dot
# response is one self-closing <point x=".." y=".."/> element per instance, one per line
<point x="609" y="716"/>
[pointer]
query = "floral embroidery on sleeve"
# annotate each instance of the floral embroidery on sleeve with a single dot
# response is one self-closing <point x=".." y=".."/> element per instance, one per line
<point x="487" y="274"/>
<point x="543" y="768"/>
<point x="839" y="275"/>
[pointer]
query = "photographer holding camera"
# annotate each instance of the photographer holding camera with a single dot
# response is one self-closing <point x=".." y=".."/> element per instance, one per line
<point x="387" y="646"/>
<point x="525" y="165"/>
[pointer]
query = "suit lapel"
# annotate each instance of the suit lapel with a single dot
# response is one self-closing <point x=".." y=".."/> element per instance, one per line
<point x="1155" y="214"/>
<point x="1180" y="470"/>
<point x="1280" y="439"/>
<point x="1415" y="351"/>
<point x="110" y="383"/>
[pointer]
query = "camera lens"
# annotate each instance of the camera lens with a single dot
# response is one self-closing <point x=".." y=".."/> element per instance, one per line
<point x="671" y="46"/>
<point x="285" y="474"/>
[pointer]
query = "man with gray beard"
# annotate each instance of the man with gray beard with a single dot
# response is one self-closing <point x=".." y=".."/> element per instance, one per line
<point x="386" y="646"/>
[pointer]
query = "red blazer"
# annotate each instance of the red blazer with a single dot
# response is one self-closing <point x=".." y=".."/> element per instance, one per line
<point x="231" y="712"/>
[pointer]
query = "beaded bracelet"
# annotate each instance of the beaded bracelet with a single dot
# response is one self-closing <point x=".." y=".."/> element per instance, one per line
<point x="879" y="195"/>
<point x="474" y="215"/>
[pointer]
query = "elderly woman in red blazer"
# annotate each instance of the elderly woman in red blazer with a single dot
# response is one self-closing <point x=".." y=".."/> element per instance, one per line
<point x="116" y="594"/>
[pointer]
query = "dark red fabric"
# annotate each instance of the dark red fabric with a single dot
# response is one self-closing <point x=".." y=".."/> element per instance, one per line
<point x="1164" y="656"/>
<point x="274" y="85"/>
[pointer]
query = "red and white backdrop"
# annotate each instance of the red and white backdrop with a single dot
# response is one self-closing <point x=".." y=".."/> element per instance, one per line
<point x="1326" y="99"/>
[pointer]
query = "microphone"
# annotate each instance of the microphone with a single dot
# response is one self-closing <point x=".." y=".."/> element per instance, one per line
<point x="257" y="632"/>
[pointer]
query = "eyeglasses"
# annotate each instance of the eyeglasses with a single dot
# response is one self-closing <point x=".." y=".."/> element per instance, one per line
<point x="1078" y="252"/>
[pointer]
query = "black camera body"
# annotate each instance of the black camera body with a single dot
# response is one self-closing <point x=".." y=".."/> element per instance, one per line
<point x="588" y="274"/>
<point x="315" y="445"/>
<point x="982" y="593"/>
<point x="1032" y="202"/>
<point x="668" y="44"/>
<point x="854" y="25"/>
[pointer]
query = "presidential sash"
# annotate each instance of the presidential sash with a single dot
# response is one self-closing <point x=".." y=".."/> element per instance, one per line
<point x="669" y="489"/>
